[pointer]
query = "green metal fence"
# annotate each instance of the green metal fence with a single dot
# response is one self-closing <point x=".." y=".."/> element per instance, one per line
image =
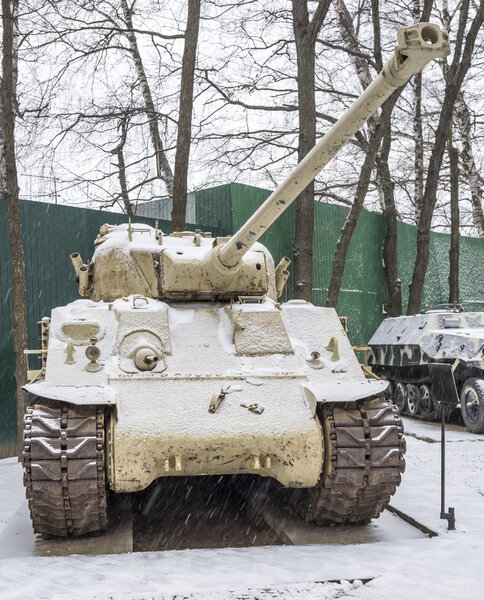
<point x="50" y="233"/>
<point x="363" y="291"/>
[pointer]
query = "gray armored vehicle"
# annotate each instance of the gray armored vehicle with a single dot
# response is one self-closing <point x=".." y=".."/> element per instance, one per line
<point x="403" y="350"/>
<point x="182" y="362"/>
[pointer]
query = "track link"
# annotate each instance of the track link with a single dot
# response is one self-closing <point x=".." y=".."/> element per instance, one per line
<point x="364" y="448"/>
<point x="63" y="463"/>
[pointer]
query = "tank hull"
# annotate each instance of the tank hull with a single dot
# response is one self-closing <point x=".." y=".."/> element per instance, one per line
<point x="404" y="351"/>
<point x="170" y="431"/>
<point x="258" y="357"/>
<point x="66" y="456"/>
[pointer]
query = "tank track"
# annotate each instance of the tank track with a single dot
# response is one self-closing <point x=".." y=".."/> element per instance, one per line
<point x="433" y="416"/>
<point x="364" y="448"/>
<point x="63" y="463"/>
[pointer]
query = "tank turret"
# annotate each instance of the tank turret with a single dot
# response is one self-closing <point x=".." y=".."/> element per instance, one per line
<point x="183" y="363"/>
<point x="193" y="265"/>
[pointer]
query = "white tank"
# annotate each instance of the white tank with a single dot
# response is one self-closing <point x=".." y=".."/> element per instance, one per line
<point x="182" y="362"/>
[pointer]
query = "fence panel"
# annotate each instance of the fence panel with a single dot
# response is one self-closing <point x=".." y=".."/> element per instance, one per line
<point x="50" y="233"/>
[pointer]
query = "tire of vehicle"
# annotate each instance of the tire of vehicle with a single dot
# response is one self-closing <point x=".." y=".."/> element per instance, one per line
<point x="399" y="397"/>
<point x="426" y="400"/>
<point x="472" y="404"/>
<point x="413" y="399"/>
<point x="388" y="393"/>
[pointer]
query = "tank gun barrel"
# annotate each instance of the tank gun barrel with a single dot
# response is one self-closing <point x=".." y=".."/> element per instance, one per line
<point x="416" y="46"/>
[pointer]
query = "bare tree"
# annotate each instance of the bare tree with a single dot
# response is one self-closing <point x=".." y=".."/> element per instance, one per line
<point x="184" y="132"/>
<point x="245" y="110"/>
<point x="141" y="67"/>
<point x="463" y="51"/>
<point x="163" y="168"/>
<point x="306" y="31"/>
<point x="393" y="305"/>
<point x="463" y="119"/>
<point x="361" y="63"/>
<point x="419" y="147"/>
<point x="454" y="216"/>
<point x="418" y="130"/>
<point x="9" y="189"/>
<point x="342" y="246"/>
<point x="125" y="59"/>
<point x="121" y="164"/>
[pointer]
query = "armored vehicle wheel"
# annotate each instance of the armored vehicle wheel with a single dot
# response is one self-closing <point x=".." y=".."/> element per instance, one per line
<point x="472" y="404"/>
<point x="425" y="399"/>
<point x="364" y="448"/>
<point x="412" y="397"/>
<point x="388" y="393"/>
<point x="399" y="396"/>
<point x="63" y="463"/>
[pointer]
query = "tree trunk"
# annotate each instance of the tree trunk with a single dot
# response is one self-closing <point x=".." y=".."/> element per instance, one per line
<point x="348" y="34"/>
<point x="305" y="34"/>
<point x="9" y="187"/>
<point x="393" y="305"/>
<point x="418" y="137"/>
<point x="119" y="152"/>
<point x="163" y="168"/>
<point x="303" y="240"/>
<point x="418" y="131"/>
<point x="454" y="79"/>
<point x="463" y="118"/>
<point x="351" y="222"/>
<point x="454" y="222"/>
<point x="184" y="134"/>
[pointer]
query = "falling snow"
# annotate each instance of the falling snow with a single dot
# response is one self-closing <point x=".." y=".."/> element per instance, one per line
<point x="446" y="567"/>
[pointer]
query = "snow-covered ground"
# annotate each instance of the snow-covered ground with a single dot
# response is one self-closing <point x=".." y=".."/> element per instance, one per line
<point x="446" y="567"/>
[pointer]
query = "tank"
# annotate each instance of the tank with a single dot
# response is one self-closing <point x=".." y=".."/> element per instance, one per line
<point x="444" y="347"/>
<point x="180" y="361"/>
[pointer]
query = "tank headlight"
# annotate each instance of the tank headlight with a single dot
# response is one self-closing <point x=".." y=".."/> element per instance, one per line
<point x="93" y="353"/>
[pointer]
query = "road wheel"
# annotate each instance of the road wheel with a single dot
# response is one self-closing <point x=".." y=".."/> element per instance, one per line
<point x="398" y="396"/>
<point x="472" y="404"/>
<point x="426" y="403"/>
<point x="412" y="396"/>
<point x="388" y="393"/>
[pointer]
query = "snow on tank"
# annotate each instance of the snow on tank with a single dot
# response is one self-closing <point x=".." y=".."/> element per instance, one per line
<point x="181" y="266"/>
